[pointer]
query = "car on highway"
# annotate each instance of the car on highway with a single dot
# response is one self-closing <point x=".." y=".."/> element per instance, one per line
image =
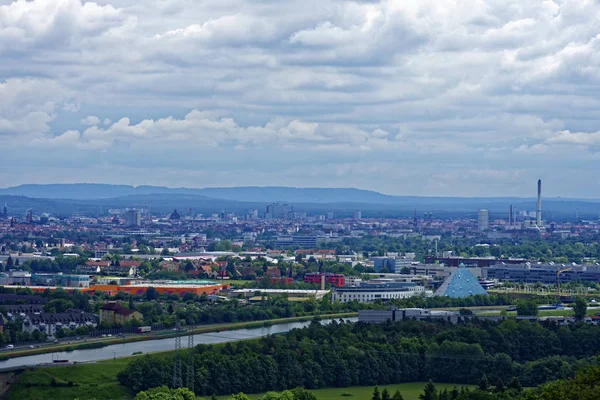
<point x="10" y="346"/>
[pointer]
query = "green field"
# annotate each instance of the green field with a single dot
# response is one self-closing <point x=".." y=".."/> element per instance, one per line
<point x="91" y="381"/>
<point x="410" y="391"/>
<point x="99" y="381"/>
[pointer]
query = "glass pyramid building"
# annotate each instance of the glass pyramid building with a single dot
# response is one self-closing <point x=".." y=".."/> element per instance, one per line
<point x="460" y="283"/>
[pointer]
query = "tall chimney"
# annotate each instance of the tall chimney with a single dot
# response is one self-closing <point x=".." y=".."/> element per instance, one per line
<point x="322" y="281"/>
<point x="510" y="216"/>
<point x="538" y="213"/>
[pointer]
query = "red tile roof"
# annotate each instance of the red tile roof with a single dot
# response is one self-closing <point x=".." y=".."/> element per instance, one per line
<point x="117" y="308"/>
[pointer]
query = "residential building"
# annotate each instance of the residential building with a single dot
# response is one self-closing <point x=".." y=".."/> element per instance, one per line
<point x="51" y="323"/>
<point x="8" y="298"/>
<point x="100" y="253"/>
<point x="88" y="269"/>
<point x="133" y="218"/>
<point x="114" y="313"/>
<point x="279" y="211"/>
<point x="483" y="220"/>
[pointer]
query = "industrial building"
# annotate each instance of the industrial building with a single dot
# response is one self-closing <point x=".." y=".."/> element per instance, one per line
<point x="140" y="289"/>
<point x="292" y="294"/>
<point x="367" y="292"/>
<point x="402" y="314"/>
<point x="70" y="281"/>
<point x="543" y="273"/>
<point x="15" y="278"/>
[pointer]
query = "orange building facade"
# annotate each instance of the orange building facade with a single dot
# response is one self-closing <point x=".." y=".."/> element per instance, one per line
<point x="138" y="290"/>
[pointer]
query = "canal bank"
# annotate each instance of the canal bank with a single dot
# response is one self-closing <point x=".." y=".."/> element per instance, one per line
<point x="124" y="348"/>
<point x="95" y="343"/>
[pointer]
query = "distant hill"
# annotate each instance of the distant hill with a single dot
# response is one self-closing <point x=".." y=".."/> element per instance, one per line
<point x="267" y="194"/>
<point x="87" y="191"/>
<point x="92" y="191"/>
<point x="97" y="198"/>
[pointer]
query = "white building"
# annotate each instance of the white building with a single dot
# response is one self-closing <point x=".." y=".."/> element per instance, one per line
<point x="370" y="292"/>
<point x="50" y="323"/>
<point x="353" y="281"/>
<point x="483" y="220"/>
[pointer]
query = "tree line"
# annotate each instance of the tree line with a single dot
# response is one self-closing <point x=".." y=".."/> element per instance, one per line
<point x="346" y="354"/>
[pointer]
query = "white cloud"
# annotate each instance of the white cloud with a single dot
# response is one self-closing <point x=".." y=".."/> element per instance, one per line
<point x="52" y="24"/>
<point x="462" y="87"/>
<point x="90" y="120"/>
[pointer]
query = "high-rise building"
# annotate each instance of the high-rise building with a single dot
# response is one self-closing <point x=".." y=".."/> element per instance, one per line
<point x="330" y="215"/>
<point x="133" y="218"/>
<point x="538" y="213"/>
<point x="483" y="220"/>
<point x="357" y="214"/>
<point x="279" y="211"/>
<point x="5" y="211"/>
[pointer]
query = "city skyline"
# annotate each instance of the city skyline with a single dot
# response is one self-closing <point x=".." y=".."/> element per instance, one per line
<point x="388" y="96"/>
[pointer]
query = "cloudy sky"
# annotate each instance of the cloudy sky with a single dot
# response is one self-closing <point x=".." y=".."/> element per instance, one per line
<point x="428" y="97"/>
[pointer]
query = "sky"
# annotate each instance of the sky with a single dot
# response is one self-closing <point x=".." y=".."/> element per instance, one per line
<point x="428" y="97"/>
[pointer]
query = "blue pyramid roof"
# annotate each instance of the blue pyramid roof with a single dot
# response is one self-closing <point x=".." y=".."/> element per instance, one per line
<point x="460" y="283"/>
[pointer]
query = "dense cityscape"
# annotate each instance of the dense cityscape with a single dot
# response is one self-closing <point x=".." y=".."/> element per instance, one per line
<point x="299" y="200"/>
<point x="84" y="282"/>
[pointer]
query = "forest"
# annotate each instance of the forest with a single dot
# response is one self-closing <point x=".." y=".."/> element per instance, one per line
<point x="345" y="354"/>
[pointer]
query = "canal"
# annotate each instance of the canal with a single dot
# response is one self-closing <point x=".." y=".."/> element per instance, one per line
<point x="157" y="345"/>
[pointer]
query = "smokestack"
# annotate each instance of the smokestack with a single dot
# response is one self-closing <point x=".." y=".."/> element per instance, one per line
<point x="510" y="216"/>
<point x="538" y="213"/>
<point x="322" y="281"/>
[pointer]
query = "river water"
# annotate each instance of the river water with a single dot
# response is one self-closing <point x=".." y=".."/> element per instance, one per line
<point x="153" y="346"/>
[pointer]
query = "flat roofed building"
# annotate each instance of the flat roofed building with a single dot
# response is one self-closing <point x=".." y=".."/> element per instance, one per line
<point x="370" y="292"/>
<point x="317" y="294"/>
<point x="543" y="273"/>
<point x="402" y="314"/>
<point x="332" y="279"/>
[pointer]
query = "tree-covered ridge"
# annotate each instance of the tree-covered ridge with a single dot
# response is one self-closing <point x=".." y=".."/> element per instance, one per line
<point x="346" y="354"/>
